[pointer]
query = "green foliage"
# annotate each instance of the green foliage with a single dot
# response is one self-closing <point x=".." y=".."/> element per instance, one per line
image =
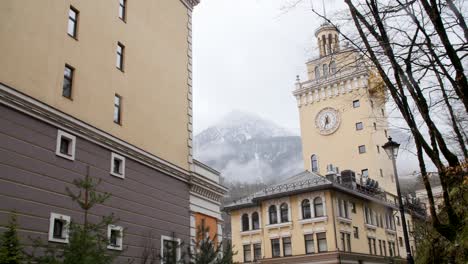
<point x="208" y="250"/>
<point x="88" y="241"/>
<point x="10" y="248"/>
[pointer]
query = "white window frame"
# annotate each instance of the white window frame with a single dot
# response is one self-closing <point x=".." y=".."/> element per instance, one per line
<point x="178" y="240"/>
<point x="115" y="156"/>
<point x="119" y="239"/>
<point x="72" y="138"/>
<point x="65" y="230"/>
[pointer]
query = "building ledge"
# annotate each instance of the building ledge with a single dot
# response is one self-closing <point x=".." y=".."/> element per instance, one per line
<point x="251" y="232"/>
<point x="344" y="220"/>
<point x="278" y="225"/>
<point x="314" y="220"/>
<point x="390" y="231"/>
<point x="369" y="226"/>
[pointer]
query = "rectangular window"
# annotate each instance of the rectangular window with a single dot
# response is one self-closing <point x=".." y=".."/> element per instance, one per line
<point x="378" y="149"/>
<point x="58" y="228"/>
<point x="374" y="244"/>
<point x="257" y="251"/>
<point x="381" y="173"/>
<point x="359" y="126"/>
<point x="380" y="247"/>
<point x="65" y="147"/>
<point x="365" y="173"/>
<point x="170" y="249"/>
<point x="369" y="241"/>
<point x="115" y="237"/>
<point x="356" y="232"/>
<point x="287" y="249"/>
<point x="117" y="165"/>
<point x="400" y="240"/>
<point x="247" y="253"/>
<point x="123" y="9"/>
<point x="383" y="111"/>
<point x="67" y="81"/>
<point x="72" y="22"/>
<point x="117" y="109"/>
<point x="322" y="242"/>
<point x="275" y="248"/>
<point x="375" y="126"/>
<point x="309" y="244"/>
<point x="120" y="56"/>
<point x="353" y="207"/>
<point x="384" y="248"/>
<point x="356" y="103"/>
<point x="348" y="242"/>
<point x="397" y="220"/>
<point x="386" y="134"/>
<point x="362" y="149"/>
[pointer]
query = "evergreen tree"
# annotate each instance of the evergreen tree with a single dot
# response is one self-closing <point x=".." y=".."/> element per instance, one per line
<point x="10" y="248"/>
<point x="207" y="250"/>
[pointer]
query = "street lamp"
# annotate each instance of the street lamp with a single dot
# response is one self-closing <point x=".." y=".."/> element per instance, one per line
<point x="391" y="148"/>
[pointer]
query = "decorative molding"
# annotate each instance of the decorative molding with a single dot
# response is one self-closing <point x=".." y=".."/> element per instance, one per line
<point x="190" y="4"/>
<point x="25" y="104"/>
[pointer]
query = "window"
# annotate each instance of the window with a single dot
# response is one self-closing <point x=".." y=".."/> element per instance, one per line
<point x="255" y="221"/>
<point x="284" y="213"/>
<point x="275" y="248"/>
<point x="353" y="207"/>
<point x="356" y="231"/>
<point x="120" y="56"/>
<point x="305" y="205"/>
<point x="170" y="249"/>
<point x="383" y="112"/>
<point x="309" y="244"/>
<point x="118" y="109"/>
<point x="247" y="253"/>
<point x="378" y="149"/>
<point x="245" y="222"/>
<point x="343" y="208"/>
<point x="386" y="134"/>
<point x="273" y="215"/>
<point x="381" y="173"/>
<point x="314" y="163"/>
<point x="123" y="9"/>
<point x="356" y="103"/>
<point x="391" y="248"/>
<point x="384" y="247"/>
<point x="117" y="165"/>
<point x="72" y="22"/>
<point x="397" y="220"/>
<point x="371" y="103"/>
<point x="287" y="249"/>
<point x="365" y="173"/>
<point x="400" y="240"/>
<point x="318" y="207"/>
<point x="115" y="237"/>
<point x="359" y="126"/>
<point x="322" y="242"/>
<point x="362" y="149"/>
<point x="65" y="145"/>
<point x="375" y="126"/>
<point x="317" y="72"/>
<point x="257" y="251"/>
<point x="345" y="241"/>
<point x="67" y="81"/>
<point x="369" y="242"/>
<point x="58" y="228"/>
<point x="380" y="247"/>
<point x="333" y="67"/>
<point x="325" y="70"/>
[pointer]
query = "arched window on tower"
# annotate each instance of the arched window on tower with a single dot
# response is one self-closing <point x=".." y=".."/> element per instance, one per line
<point x="272" y="214"/>
<point x="284" y="213"/>
<point x="317" y="72"/>
<point x="305" y="205"/>
<point x="333" y="67"/>
<point x="255" y="221"/>
<point x="324" y="45"/>
<point x="330" y="44"/>
<point x="325" y="70"/>
<point x="314" y="163"/>
<point x="318" y="207"/>
<point x="245" y="222"/>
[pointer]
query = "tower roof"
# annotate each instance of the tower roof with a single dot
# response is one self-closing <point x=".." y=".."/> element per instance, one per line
<point x="325" y="26"/>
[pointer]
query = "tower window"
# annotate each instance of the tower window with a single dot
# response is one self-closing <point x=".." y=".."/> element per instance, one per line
<point x="314" y="163"/>
<point x="362" y="149"/>
<point x="325" y="70"/>
<point x="356" y="231"/>
<point x="383" y="112"/>
<point x="257" y="251"/>
<point x="381" y="173"/>
<point x="386" y="134"/>
<point x="359" y="126"/>
<point x="120" y="56"/>
<point x="67" y="81"/>
<point x="375" y="126"/>
<point x="356" y="104"/>
<point x="378" y="149"/>
<point x="117" y="165"/>
<point x="333" y="67"/>
<point x="123" y="9"/>
<point x="65" y="147"/>
<point x="117" y="109"/>
<point x="72" y="22"/>
<point x="317" y="72"/>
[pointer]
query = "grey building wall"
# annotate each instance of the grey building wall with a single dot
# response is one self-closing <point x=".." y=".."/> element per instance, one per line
<point x="33" y="180"/>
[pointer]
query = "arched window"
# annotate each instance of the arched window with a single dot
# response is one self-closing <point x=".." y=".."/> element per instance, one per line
<point x="325" y="70"/>
<point x="333" y="67"/>
<point x="255" y="221"/>
<point x="284" y="213"/>
<point x="318" y="207"/>
<point x="330" y="44"/>
<point x="317" y="72"/>
<point x="305" y="205"/>
<point x="245" y="222"/>
<point x="272" y="214"/>
<point x="314" y="163"/>
<point x="324" y="45"/>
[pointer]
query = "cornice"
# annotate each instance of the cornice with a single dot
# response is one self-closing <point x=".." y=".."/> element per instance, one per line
<point x="190" y="4"/>
<point x="197" y="180"/>
<point x="32" y="107"/>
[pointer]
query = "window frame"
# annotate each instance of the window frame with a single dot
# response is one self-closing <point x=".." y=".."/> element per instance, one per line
<point x="65" y="228"/>
<point x="314" y="163"/>
<point x="356" y="103"/>
<point x="123" y="10"/>
<point x="362" y="149"/>
<point x="272" y="215"/>
<point x="172" y="239"/>
<point x="114" y="157"/>
<point x="74" y="21"/>
<point x="255" y="248"/>
<point x="289" y="242"/>
<point x="312" y="241"/>
<point x="245" y="226"/>
<point x="118" y="107"/>
<point x="120" y="64"/>
<point x="255" y="220"/>
<point x="321" y="239"/>
<point x="275" y="241"/>
<point x="69" y="79"/>
<point x="356" y="232"/>
<point x="119" y="245"/>
<point x="359" y="126"/>
<point x="284" y="213"/>
<point x="316" y="206"/>
<point x="71" y="148"/>
<point x="247" y="254"/>
<point x="304" y="205"/>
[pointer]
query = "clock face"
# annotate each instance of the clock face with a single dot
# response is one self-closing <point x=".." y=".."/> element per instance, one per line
<point x="327" y="120"/>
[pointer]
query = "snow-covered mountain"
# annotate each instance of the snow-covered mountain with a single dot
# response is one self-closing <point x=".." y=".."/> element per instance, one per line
<point x="248" y="148"/>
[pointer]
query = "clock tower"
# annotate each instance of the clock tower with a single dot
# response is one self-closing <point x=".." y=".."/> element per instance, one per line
<point x="342" y="113"/>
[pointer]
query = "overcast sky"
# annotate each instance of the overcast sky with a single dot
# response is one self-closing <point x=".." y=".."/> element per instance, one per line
<point x="246" y="56"/>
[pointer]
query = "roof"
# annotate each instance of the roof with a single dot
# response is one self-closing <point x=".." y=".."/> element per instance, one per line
<point x="305" y="181"/>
